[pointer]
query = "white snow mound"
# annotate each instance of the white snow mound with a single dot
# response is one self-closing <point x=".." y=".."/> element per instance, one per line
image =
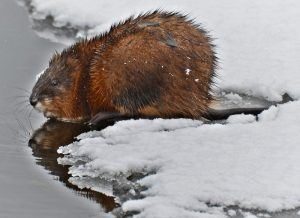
<point x="251" y="165"/>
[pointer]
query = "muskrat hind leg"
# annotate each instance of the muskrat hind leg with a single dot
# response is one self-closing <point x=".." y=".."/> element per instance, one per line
<point x="102" y="116"/>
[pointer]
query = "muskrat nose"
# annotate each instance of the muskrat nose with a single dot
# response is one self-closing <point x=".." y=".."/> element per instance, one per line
<point x="33" y="100"/>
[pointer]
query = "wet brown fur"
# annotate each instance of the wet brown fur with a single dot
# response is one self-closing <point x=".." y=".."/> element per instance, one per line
<point x="138" y="68"/>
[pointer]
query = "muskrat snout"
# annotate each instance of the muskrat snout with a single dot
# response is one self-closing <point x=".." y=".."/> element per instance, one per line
<point x="33" y="100"/>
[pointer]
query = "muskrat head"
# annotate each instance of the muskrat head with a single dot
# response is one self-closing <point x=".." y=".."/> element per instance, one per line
<point x="60" y="90"/>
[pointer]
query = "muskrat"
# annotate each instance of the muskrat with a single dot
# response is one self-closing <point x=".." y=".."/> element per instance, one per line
<point x="158" y="64"/>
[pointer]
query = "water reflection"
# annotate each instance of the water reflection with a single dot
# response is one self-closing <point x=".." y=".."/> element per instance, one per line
<point x="44" y="143"/>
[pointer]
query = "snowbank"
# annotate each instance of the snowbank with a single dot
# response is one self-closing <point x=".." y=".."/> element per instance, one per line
<point x="257" y="41"/>
<point x="251" y="165"/>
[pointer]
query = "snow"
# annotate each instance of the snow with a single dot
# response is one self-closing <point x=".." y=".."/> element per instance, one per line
<point x="251" y="165"/>
<point x="231" y="212"/>
<point x="241" y="118"/>
<point x="257" y="41"/>
<point x="39" y="75"/>
<point x="249" y="215"/>
<point x="188" y="166"/>
<point x="187" y="71"/>
<point x="263" y="215"/>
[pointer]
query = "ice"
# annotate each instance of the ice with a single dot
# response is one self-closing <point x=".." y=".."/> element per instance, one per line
<point x="251" y="165"/>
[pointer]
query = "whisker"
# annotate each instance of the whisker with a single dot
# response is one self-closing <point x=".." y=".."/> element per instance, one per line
<point x="22" y="102"/>
<point x="20" y="107"/>
<point x="18" y="96"/>
<point x="25" y="110"/>
<point x="31" y="127"/>
<point x="17" y="99"/>
<point x="21" y="89"/>
<point x="22" y="126"/>
<point x="30" y="113"/>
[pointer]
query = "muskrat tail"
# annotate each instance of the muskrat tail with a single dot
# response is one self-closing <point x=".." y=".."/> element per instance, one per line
<point x="223" y="114"/>
<point x="214" y="114"/>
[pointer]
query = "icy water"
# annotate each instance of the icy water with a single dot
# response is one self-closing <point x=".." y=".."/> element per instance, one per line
<point x="26" y="189"/>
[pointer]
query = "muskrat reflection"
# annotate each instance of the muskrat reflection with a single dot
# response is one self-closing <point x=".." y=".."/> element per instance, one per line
<point x="44" y="143"/>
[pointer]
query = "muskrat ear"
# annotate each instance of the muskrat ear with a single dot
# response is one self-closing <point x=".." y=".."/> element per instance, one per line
<point x="103" y="116"/>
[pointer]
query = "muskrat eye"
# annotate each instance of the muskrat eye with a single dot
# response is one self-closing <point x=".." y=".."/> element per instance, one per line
<point x="54" y="82"/>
